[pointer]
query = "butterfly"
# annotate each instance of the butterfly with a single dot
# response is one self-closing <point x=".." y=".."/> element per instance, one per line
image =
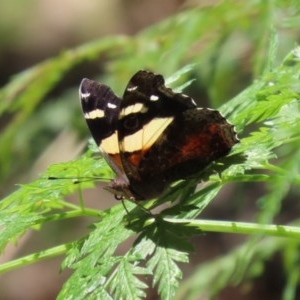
<point x="152" y="136"/>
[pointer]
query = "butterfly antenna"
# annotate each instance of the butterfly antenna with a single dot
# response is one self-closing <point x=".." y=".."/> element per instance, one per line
<point x="77" y="180"/>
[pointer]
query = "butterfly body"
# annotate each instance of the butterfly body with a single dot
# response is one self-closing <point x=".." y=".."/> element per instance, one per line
<point x="152" y="136"/>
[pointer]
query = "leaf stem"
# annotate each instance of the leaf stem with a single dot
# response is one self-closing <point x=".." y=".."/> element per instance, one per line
<point x="242" y="227"/>
<point x="33" y="258"/>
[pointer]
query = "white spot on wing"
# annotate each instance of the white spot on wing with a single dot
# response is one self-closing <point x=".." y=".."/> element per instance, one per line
<point x="131" y="89"/>
<point x="154" y="98"/>
<point x="193" y="101"/>
<point x="85" y="95"/>
<point x="111" y="105"/>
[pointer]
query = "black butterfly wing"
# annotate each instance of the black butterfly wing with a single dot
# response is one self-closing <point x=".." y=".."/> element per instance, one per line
<point x="147" y="111"/>
<point x="164" y="136"/>
<point x="101" y="109"/>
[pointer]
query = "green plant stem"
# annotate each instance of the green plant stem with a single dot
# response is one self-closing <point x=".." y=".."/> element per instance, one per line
<point x="70" y="214"/>
<point x="34" y="258"/>
<point x="205" y="225"/>
<point x="242" y="227"/>
<point x="81" y="207"/>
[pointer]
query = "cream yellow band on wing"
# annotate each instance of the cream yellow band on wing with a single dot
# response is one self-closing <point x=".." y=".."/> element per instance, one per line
<point x="132" y="109"/>
<point x="94" y="114"/>
<point x="110" y="145"/>
<point x="146" y="136"/>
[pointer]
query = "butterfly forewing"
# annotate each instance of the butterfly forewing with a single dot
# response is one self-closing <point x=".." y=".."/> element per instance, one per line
<point x="101" y="111"/>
